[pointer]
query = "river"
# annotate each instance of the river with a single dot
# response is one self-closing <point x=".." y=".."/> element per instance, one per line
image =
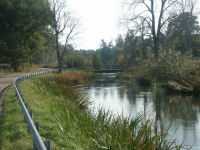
<point x="179" y="115"/>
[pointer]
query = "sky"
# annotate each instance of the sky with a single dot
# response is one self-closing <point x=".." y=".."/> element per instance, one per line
<point x="99" y="19"/>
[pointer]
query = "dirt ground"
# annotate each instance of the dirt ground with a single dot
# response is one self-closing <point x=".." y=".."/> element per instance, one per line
<point x="5" y="81"/>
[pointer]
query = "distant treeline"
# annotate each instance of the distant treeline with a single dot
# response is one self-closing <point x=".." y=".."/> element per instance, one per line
<point x="182" y="37"/>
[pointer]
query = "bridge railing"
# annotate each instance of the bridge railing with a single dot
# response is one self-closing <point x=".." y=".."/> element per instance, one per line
<point x="114" y="70"/>
<point x="38" y="143"/>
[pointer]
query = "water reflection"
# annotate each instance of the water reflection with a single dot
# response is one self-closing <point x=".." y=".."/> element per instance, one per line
<point x="179" y="114"/>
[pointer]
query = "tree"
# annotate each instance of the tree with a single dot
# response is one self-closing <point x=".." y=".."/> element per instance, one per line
<point x="156" y="14"/>
<point x="107" y="54"/>
<point x="96" y="61"/>
<point x="41" y="48"/>
<point x="20" y="20"/>
<point x="64" y="27"/>
<point x="180" y="31"/>
<point x="131" y="48"/>
<point x="119" y="42"/>
<point x="188" y="6"/>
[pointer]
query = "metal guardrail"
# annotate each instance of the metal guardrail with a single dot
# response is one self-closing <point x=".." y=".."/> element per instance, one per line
<point x="38" y="142"/>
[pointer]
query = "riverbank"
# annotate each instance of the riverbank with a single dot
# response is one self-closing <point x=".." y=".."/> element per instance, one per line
<point x="176" y="73"/>
<point x="62" y="114"/>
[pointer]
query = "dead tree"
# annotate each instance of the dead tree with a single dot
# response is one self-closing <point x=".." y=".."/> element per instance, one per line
<point x="188" y="6"/>
<point x="64" y="27"/>
<point x="156" y="15"/>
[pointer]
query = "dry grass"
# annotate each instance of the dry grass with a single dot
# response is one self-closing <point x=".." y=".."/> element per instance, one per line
<point x="73" y="78"/>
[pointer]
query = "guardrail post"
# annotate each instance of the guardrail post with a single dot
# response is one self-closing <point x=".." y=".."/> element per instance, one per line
<point x="31" y="113"/>
<point x="34" y="145"/>
<point x="48" y="144"/>
<point x="16" y="95"/>
<point x="29" y="127"/>
<point x="37" y="125"/>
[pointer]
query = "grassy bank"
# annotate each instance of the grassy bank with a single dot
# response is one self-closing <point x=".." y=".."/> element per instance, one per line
<point x="62" y="114"/>
<point x="13" y="129"/>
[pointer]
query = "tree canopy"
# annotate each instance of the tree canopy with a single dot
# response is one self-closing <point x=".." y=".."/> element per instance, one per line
<point x="23" y="22"/>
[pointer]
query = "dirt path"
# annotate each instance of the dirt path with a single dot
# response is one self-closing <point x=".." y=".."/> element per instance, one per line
<point x="7" y="79"/>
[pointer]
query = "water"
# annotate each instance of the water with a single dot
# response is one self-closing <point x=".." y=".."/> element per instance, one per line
<point x="180" y="115"/>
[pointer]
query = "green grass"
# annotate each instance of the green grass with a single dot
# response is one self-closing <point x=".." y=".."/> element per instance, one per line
<point x="64" y="119"/>
<point x="13" y="129"/>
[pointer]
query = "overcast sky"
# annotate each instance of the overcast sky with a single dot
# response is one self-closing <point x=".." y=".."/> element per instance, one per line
<point x="99" y="20"/>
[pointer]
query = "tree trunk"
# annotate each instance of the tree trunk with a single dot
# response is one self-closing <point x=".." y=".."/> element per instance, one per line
<point x="153" y="30"/>
<point x="59" y="60"/>
<point x="156" y="47"/>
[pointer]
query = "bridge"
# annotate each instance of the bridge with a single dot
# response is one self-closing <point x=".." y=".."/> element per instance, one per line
<point x="112" y="70"/>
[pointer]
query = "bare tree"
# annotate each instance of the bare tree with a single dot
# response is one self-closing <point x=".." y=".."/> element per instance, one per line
<point x="188" y="10"/>
<point x="188" y="6"/>
<point x="156" y="13"/>
<point x="64" y="27"/>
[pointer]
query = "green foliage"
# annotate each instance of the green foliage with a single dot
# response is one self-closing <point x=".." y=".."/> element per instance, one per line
<point x="14" y="133"/>
<point x="96" y="61"/>
<point x="180" y="31"/>
<point x="79" y="59"/>
<point x="196" y="46"/>
<point x="106" y="54"/>
<point x="22" y="21"/>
